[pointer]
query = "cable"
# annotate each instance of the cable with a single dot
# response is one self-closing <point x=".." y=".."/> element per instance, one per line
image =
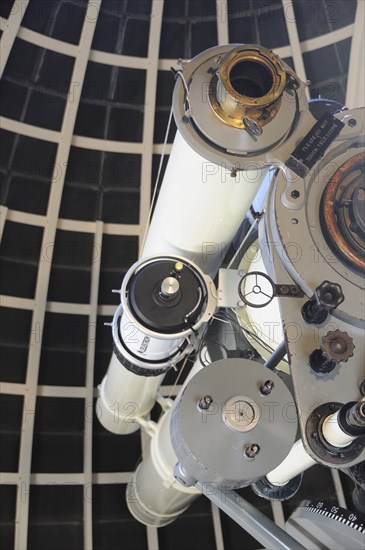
<point x="255" y="222"/>
<point x="255" y="337"/>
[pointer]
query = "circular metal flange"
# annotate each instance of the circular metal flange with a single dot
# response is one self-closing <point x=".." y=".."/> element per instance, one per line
<point x="137" y="364"/>
<point x="263" y="488"/>
<point x="318" y="444"/>
<point x="249" y="85"/>
<point x="240" y="413"/>
<point x="343" y="208"/>
<point x="207" y="286"/>
<point x="212" y="445"/>
<point x="212" y="133"/>
<point x="299" y="233"/>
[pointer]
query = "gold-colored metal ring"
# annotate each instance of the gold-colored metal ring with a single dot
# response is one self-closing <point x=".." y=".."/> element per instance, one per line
<point x="249" y="84"/>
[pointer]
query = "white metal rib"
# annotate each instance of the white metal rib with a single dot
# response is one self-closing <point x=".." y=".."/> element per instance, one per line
<point x="102" y="478"/>
<point x="73" y="225"/>
<point x="278" y="513"/>
<point x="55" y="307"/>
<point x="77" y="392"/>
<point x="327" y="39"/>
<point x="134" y="62"/>
<point x="217" y="526"/>
<point x="294" y="42"/>
<point x="89" y="389"/>
<point x="338" y="488"/>
<point x="11" y="30"/>
<point x="29" y="130"/>
<point x="3" y="216"/>
<point x="12" y="388"/>
<point x="26" y="217"/>
<point x="151" y="532"/>
<point x="26" y="441"/>
<point x="117" y="60"/>
<point x="222" y="22"/>
<point x="149" y="111"/>
<point x="44" y="41"/>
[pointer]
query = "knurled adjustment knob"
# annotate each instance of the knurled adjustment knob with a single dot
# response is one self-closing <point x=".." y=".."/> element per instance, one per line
<point x="329" y="295"/>
<point x="337" y="346"/>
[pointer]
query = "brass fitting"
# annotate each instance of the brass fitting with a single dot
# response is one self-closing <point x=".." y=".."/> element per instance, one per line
<point x="247" y="89"/>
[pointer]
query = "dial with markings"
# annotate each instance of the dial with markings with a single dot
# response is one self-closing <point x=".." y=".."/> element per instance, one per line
<point x="319" y="524"/>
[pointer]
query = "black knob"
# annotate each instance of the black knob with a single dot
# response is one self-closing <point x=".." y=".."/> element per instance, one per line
<point x="336" y="347"/>
<point x="329" y="295"/>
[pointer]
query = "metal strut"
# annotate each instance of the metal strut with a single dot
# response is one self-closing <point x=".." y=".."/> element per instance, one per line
<point x="263" y="529"/>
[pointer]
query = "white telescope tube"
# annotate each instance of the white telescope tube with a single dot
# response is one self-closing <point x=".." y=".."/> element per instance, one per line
<point x="154" y="497"/>
<point x="124" y="396"/>
<point x="142" y="355"/>
<point x="333" y="433"/>
<point x="200" y="207"/>
<point x="296" y="462"/>
<point x="199" y="210"/>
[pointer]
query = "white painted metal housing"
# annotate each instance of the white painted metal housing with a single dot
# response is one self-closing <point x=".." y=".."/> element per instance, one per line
<point x="200" y="208"/>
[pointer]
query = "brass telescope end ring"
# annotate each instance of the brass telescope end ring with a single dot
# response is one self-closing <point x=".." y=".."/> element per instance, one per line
<point x="249" y="84"/>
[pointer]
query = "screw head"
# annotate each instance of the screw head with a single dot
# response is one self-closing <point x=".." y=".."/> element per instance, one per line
<point x="267" y="387"/>
<point x="352" y="122"/>
<point x="295" y="194"/>
<point x="251" y="451"/>
<point x="205" y="402"/>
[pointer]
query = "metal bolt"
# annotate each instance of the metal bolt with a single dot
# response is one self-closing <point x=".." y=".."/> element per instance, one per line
<point x="169" y="287"/>
<point x="205" y="402"/>
<point x="352" y="122"/>
<point x="267" y="387"/>
<point x="295" y="194"/>
<point x="251" y="451"/>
